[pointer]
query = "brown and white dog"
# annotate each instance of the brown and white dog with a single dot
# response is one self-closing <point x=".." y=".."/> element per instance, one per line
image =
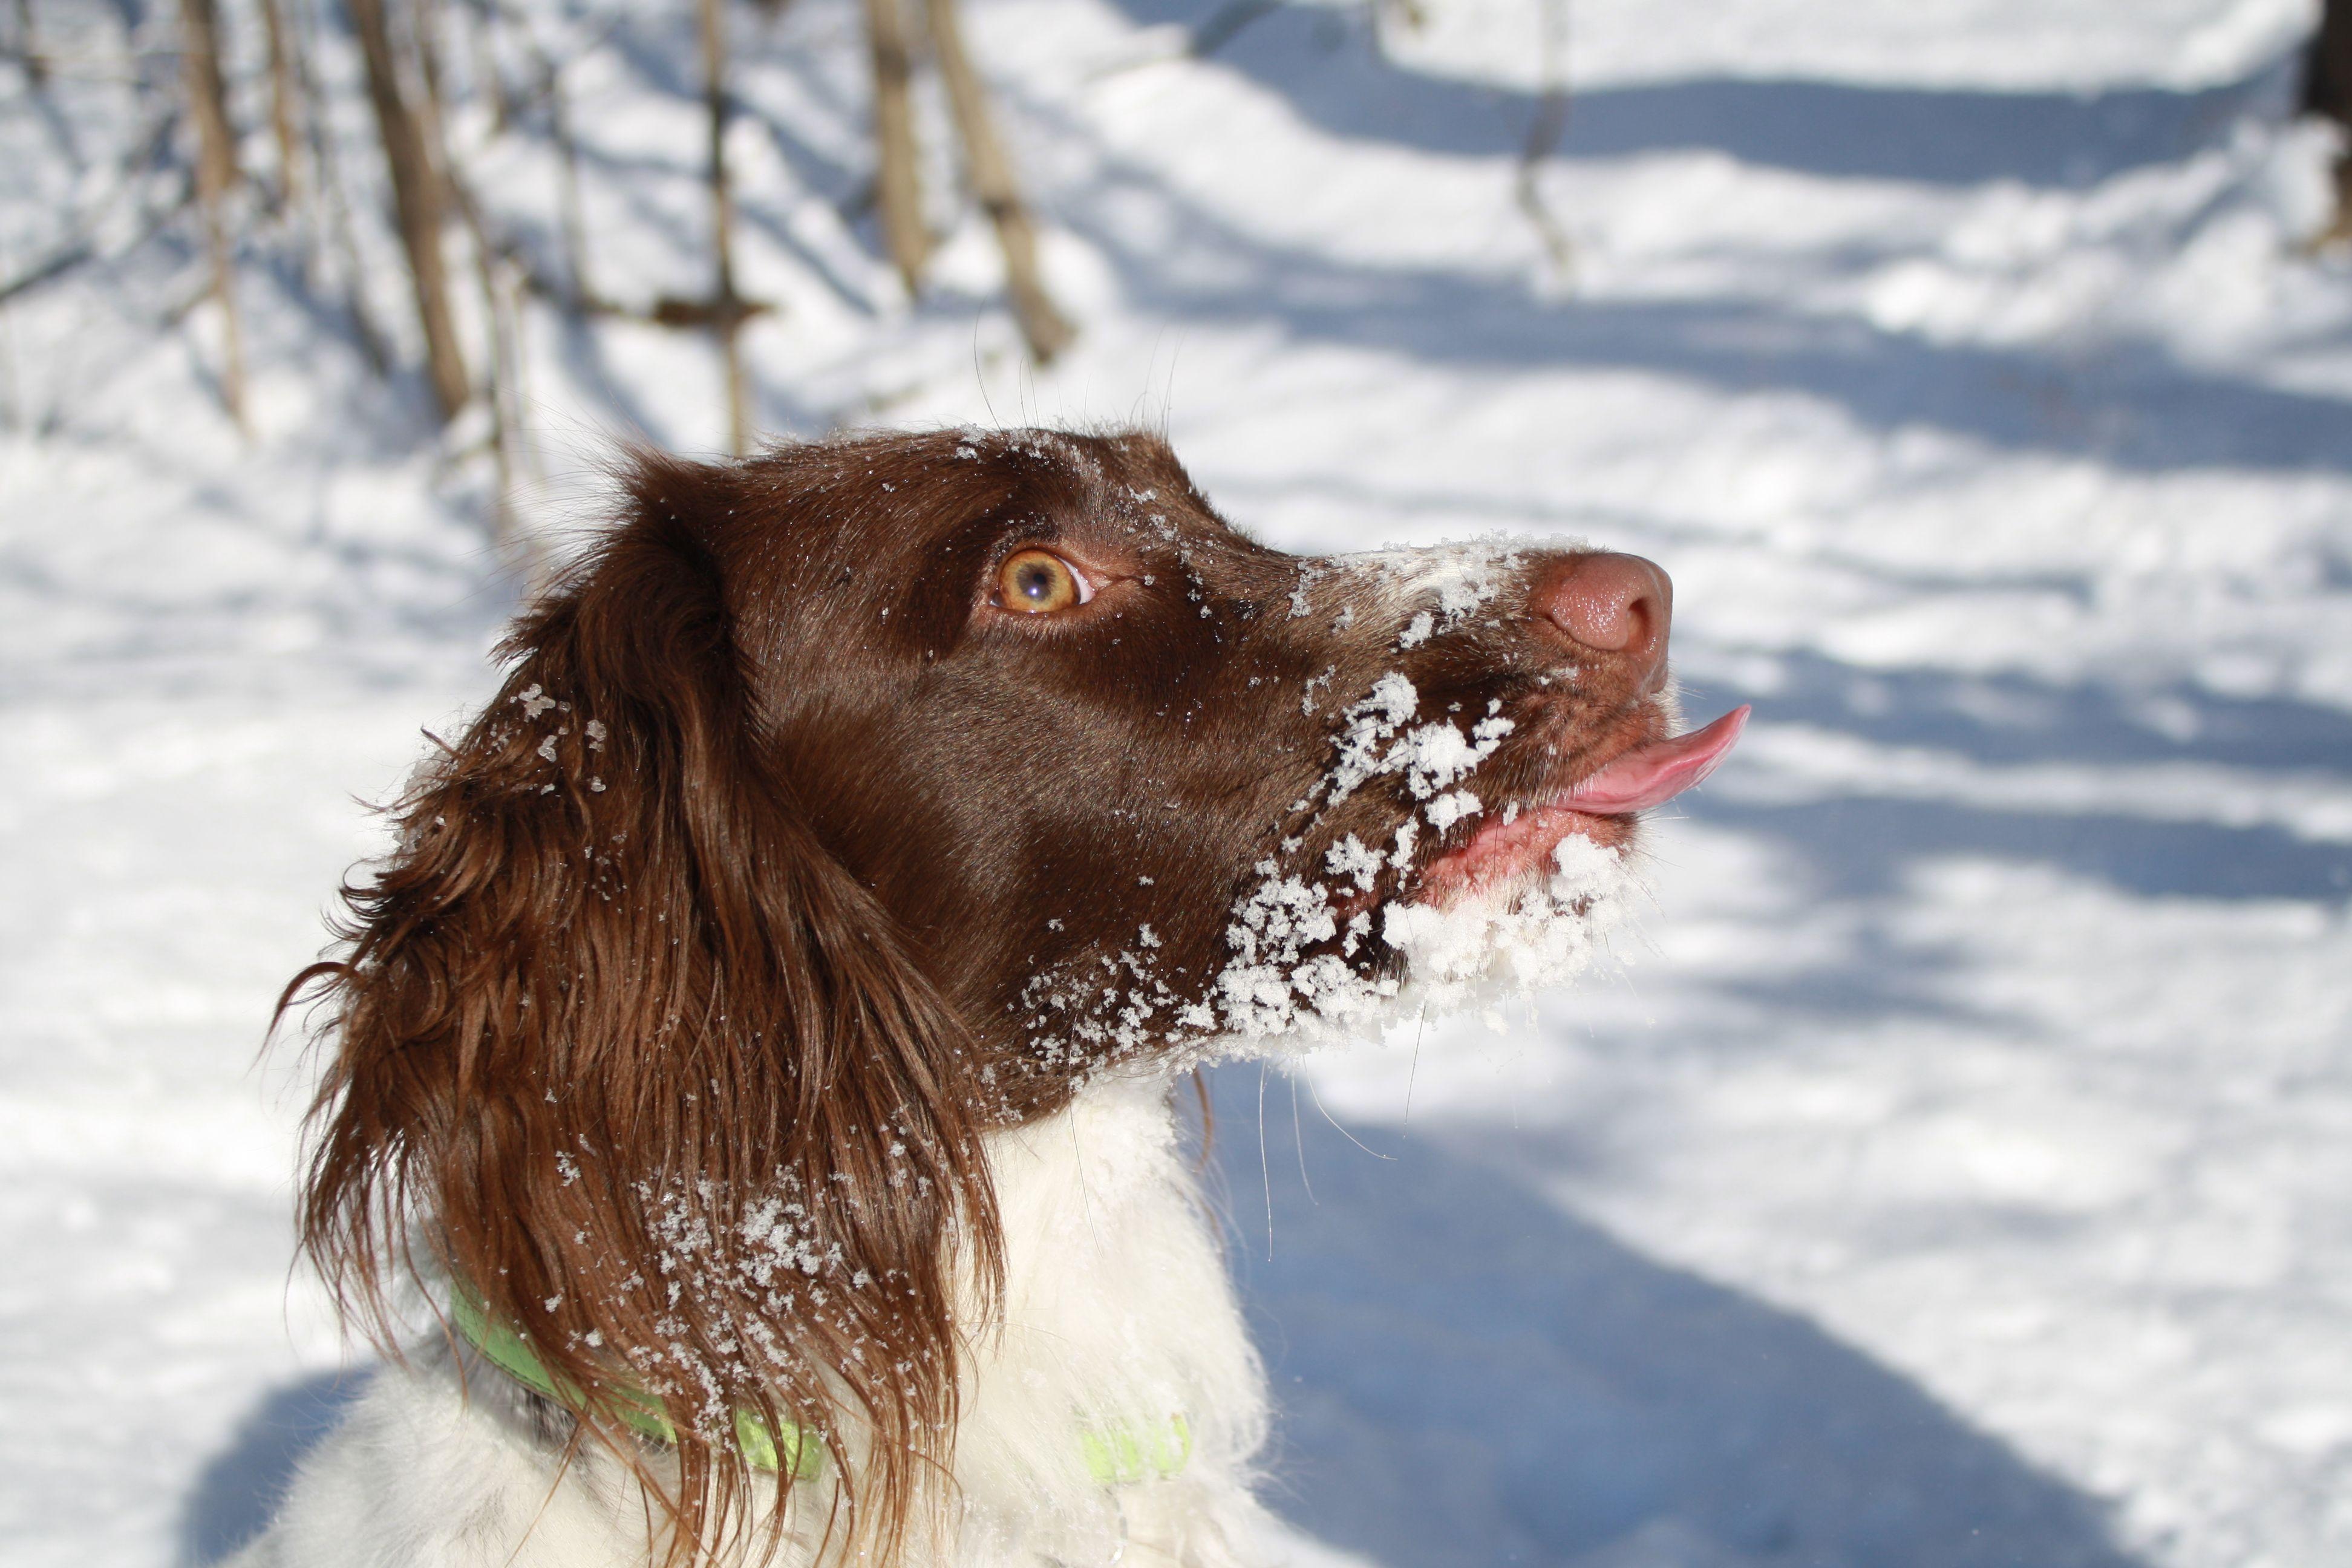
<point x="757" y="1052"/>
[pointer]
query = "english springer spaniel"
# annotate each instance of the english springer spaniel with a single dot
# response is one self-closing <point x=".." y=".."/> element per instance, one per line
<point x="754" y="1062"/>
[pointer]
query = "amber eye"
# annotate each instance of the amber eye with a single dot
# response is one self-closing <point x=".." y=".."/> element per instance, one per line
<point x="1036" y="581"/>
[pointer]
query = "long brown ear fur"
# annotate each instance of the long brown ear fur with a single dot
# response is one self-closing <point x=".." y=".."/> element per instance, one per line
<point x="619" y="1045"/>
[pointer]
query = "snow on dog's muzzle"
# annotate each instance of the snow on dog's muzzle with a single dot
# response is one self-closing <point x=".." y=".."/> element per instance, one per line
<point x="1521" y="723"/>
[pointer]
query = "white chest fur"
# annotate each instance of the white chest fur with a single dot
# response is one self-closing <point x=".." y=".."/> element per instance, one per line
<point x="1118" y="1328"/>
<point x="1118" y="1322"/>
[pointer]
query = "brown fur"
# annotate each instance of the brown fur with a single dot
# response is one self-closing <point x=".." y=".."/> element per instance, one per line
<point x="784" y="866"/>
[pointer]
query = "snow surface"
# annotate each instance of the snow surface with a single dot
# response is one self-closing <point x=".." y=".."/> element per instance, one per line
<point x="1955" y="1169"/>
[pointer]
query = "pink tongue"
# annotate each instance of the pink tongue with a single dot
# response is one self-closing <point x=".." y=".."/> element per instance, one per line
<point x="1652" y="774"/>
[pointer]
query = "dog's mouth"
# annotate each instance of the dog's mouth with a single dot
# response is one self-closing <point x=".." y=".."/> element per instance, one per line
<point x="1511" y="846"/>
<point x="1330" y="944"/>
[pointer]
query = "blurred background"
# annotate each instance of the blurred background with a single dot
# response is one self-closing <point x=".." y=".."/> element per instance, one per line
<point x="1954" y="1170"/>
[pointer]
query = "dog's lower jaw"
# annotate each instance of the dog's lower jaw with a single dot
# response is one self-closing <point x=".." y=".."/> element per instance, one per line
<point x="1118" y="1323"/>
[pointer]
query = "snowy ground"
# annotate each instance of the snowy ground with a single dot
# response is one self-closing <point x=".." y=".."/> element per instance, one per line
<point x="1954" y="1173"/>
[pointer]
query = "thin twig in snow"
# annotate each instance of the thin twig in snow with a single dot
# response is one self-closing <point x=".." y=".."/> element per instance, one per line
<point x="1544" y="131"/>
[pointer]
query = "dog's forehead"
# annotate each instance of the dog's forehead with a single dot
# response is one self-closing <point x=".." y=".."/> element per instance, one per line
<point x="1131" y="476"/>
<point x="1126" y="489"/>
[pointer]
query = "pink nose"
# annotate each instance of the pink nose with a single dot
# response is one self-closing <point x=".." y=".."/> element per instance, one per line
<point x="1611" y="604"/>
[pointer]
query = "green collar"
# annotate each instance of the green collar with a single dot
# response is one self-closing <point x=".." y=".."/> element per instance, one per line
<point x="1116" y="1455"/>
<point x="511" y="1353"/>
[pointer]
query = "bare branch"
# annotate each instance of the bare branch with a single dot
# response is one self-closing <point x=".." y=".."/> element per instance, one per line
<point x="1044" y="328"/>
<point x="283" y="97"/>
<point x="897" y="178"/>
<point x="327" y="166"/>
<point x="216" y="175"/>
<point x="418" y="199"/>
<point x="730" y="322"/>
<point x="504" y="392"/>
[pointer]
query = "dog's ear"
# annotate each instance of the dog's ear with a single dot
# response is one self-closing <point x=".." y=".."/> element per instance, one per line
<point x="621" y="1048"/>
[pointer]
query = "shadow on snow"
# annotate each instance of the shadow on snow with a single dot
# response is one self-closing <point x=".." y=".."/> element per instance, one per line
<point x="1469" y="1376"/>
<point x="241" y="1488"/>
<point x="2129" y="405"/>
<point x="1326" y="65"/>
<point x="1859" y="846"/>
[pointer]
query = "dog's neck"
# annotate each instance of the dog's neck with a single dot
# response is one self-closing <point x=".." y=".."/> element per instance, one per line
<point x="1117" y="1318"/>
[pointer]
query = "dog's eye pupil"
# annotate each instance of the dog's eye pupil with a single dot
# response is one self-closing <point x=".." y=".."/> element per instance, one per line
<point x="1037" y="579"/>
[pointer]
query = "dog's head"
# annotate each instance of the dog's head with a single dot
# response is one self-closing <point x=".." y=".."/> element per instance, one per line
<point x="845" y="802"/>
